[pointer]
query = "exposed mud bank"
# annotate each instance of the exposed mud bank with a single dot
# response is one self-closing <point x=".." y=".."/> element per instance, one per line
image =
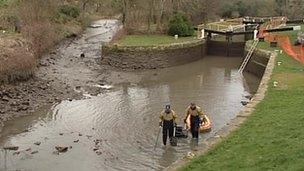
<point x="58" y="77"/>
<point x="152" y="57"/>
<point x="241" y="116"/>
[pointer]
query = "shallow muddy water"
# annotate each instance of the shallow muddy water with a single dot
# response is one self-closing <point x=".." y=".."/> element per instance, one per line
<point x="124" y="118"/>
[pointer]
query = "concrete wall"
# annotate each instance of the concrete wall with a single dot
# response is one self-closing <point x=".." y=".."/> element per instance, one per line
<point x="152" y="57"/>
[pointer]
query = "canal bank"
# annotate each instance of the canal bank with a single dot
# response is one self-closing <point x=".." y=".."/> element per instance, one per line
<point x="152" y="57"/>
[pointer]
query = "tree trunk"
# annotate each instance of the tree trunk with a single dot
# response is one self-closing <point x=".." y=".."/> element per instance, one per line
<point x="124" y="12"/>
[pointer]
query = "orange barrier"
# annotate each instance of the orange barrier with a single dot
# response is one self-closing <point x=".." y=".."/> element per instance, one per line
<point x="297" y="52"/>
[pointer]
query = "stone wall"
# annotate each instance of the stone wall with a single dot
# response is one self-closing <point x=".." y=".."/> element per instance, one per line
<point x="152" y="57"/>
<point x="258" y="61"/>
<point x="223" y="48"/>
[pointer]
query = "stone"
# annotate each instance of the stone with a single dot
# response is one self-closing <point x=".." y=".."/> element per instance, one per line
<point x="95" y="148"/>
<point x="244" y="103"/>
<point x="29" y="149"/>
<point x="14" y="104"/>
<point x="61" y="134"/>
<point x="26" y="103"/>
<point x="98" y="152"/>
<point x="76" y="141"/>
<point x="79" y="134"/>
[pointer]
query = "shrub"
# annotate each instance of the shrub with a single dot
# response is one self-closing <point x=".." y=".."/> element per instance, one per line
<point x="179" y="24"/>
<point x="69" y="10"/>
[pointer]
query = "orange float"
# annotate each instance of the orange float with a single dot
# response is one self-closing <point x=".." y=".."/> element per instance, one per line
<point x="204" y="127"/>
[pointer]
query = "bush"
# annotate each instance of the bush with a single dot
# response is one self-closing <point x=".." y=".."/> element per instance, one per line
<point x="69" y="11"/>
<point x="179" y="25"/>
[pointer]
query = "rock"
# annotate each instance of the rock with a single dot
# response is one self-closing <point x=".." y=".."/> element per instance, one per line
<point x="61" y="134"/>
<point x="70" y="147"/>
<point x="24" y="108"/>
<point x="79" y="134"/>
<point x="95" y="148"/>
<point x="248" y="97"/>
<point x="14" y="104"/>
<point x="34" y="152"/>
<point x="244" y="103"/>
<point x="29" y="149"/>
<point x="98" y="152"/>
<point x="26" y="103"/>
<point x="76" y="141"/>
<point x="89" y="136"/>
<point x="61" y="149"/>
<point x="82" y="55"/>
<point x="13" y="148"/>
<point x="37" y="143"/>
<point x="190" y="155"/>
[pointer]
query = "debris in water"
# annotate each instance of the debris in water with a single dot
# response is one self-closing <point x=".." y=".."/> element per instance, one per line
<point x="61" y="149"/>
<point x="37" y="143"/>
<point x="16" y="153"/>
<point x="34" y="152"/>
<point x="56" y="152"/>
<point x="13" y="148"/>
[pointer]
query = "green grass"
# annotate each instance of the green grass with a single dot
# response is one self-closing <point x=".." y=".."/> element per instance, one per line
<point x="152" y="40"/>
<point x="273" y="136"/>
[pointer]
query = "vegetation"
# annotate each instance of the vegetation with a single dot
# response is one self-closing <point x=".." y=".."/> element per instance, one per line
<point x="271" y="138"/>
<point x="179" y="25"/>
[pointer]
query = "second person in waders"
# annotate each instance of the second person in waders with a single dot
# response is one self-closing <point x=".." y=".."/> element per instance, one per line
<point x="196" y="116"/>
<point x="167" y="121"/>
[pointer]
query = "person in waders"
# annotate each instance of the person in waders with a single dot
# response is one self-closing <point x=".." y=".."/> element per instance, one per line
<point x="196" y="117"/>
<point x="167" y="122"/>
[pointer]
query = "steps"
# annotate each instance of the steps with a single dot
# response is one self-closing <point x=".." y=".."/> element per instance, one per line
<point x="248" y="56"/>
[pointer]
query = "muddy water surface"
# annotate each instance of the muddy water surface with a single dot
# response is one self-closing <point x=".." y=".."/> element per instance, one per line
<point x="124" y="118"/>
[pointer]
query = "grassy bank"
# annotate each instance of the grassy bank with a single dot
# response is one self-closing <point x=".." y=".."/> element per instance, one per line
<point x="151" y="40"/>
<point x="272" y="137"/>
